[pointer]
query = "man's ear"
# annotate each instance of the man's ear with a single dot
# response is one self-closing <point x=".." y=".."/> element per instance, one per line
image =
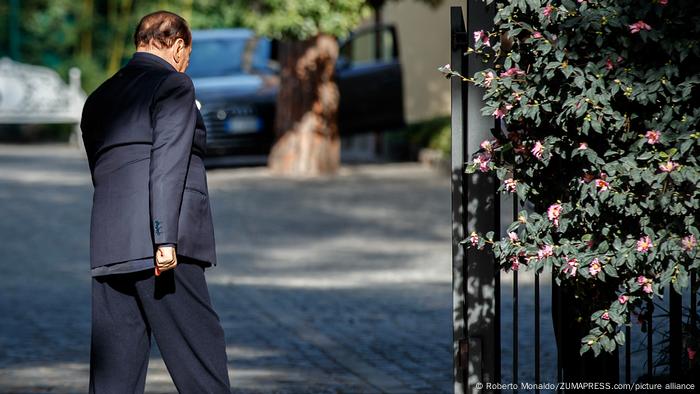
<point x="178" y="55"/>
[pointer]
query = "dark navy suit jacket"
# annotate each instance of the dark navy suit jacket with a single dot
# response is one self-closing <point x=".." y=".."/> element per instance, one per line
<point x="145" y="140"/>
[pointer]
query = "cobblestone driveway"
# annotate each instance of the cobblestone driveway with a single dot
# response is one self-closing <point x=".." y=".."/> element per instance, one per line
<point x="337" y="285"/>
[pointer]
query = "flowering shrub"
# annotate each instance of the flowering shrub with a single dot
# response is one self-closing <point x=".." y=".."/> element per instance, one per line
<point x="599" y="99"/>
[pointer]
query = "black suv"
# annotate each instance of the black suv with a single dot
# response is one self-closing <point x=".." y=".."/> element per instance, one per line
<point x="236" y="80"/>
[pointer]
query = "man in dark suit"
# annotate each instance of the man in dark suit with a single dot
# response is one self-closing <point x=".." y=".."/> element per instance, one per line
<point x="151" y="234"/>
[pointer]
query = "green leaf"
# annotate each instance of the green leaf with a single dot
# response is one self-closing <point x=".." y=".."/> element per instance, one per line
<point x="645" y="156"/>
<point x="610" y="270"/>
<point x="501" y="173"/>
<point x="584" y="348"/>
<point x="620" y="338"/>
<point x="534" y="5"/>
<point x="681" y="280"/>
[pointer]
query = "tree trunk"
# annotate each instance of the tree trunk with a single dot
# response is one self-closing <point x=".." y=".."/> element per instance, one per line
<point x="307" y="104"/>
<point x="86" y="26"/>
<point x="119" y="12"/>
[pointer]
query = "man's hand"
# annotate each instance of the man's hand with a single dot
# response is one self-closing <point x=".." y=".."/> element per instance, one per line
<point x="165" y="259"/>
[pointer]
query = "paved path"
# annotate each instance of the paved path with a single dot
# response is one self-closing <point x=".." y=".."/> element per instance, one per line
<point x="336" y="285"/>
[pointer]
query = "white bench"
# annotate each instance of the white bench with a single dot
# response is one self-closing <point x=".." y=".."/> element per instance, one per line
<point x="37" y="95"/>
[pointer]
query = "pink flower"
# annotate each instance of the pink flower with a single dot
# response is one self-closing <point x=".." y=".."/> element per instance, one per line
<point x="537" y="35"/>
<point x="646" y="284"/>
<point x="483" y="37"/>
<point x="502" y="111"/>
<point x="545" y="251"/>
<point x="537" y="150"/>
<point x="513" y="71"/>
<point x="609" y="64"/>
<point x="638" y="26"/>
<point x="595" y="267"/>
<point x="605" y="316"/>
<point x="483" y="160"/>
<point x="663" y="2"/>
<point x="571" y="266"/>
<point x="547" y="11"/>
<point x="474" y="238"/>
<point x="582" y="146"/>
<point x="644" y="244"/>
<point x="488" y="78"/>
<point x="602" y="185"/>
<point x="668" y="166"/>
<point x="689" y="242"/>
<point x="513" y="236"/>
<point x="622" y="298"/>
<point x="510" y="185"/>
<point x="653" y="136"/>
<point x="691" y="353"/>
<point x="553" y="213"/>
<point x="514" y="263"/>
<point x="489" y="145"/>
<point x="484" y="166"/>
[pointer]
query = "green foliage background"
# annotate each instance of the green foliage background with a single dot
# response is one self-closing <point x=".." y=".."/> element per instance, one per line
<point x="89" y="33"/>
<point x="95" y="35"/>
<point x="302" y="19"/>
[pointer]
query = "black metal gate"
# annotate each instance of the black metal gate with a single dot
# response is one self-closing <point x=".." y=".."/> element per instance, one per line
<point x="478" y="347"/>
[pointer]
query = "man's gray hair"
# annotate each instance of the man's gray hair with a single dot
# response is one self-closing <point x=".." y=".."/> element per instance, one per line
<point x="161" y="29"/>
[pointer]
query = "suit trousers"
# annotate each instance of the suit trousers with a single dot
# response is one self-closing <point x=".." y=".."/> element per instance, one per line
<point x="176" y="308"/>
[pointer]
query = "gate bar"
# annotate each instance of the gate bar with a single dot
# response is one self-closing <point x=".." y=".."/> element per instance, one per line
<point x="675" y="332"/>
<point x="693" y="304"/>
<point x="515" y="307"/>
<point x="559" y="330"/>
<point x="628" y="353"/>
<point x="482" y="207"/>
<point x="650" y="339"/>
<point x="537" y="331"/>
<point x="460" y="370"/>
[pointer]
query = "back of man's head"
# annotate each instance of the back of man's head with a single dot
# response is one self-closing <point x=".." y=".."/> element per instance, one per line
<point x="161" y="29"/>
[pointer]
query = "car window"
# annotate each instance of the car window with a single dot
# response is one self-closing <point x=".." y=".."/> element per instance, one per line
<point x="216" y="57"/>
<point x="261" y="61"/>
<point x="361" y="48"/>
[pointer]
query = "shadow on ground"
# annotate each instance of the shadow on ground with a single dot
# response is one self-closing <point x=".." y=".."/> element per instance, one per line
<point x="335" y="285"/>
